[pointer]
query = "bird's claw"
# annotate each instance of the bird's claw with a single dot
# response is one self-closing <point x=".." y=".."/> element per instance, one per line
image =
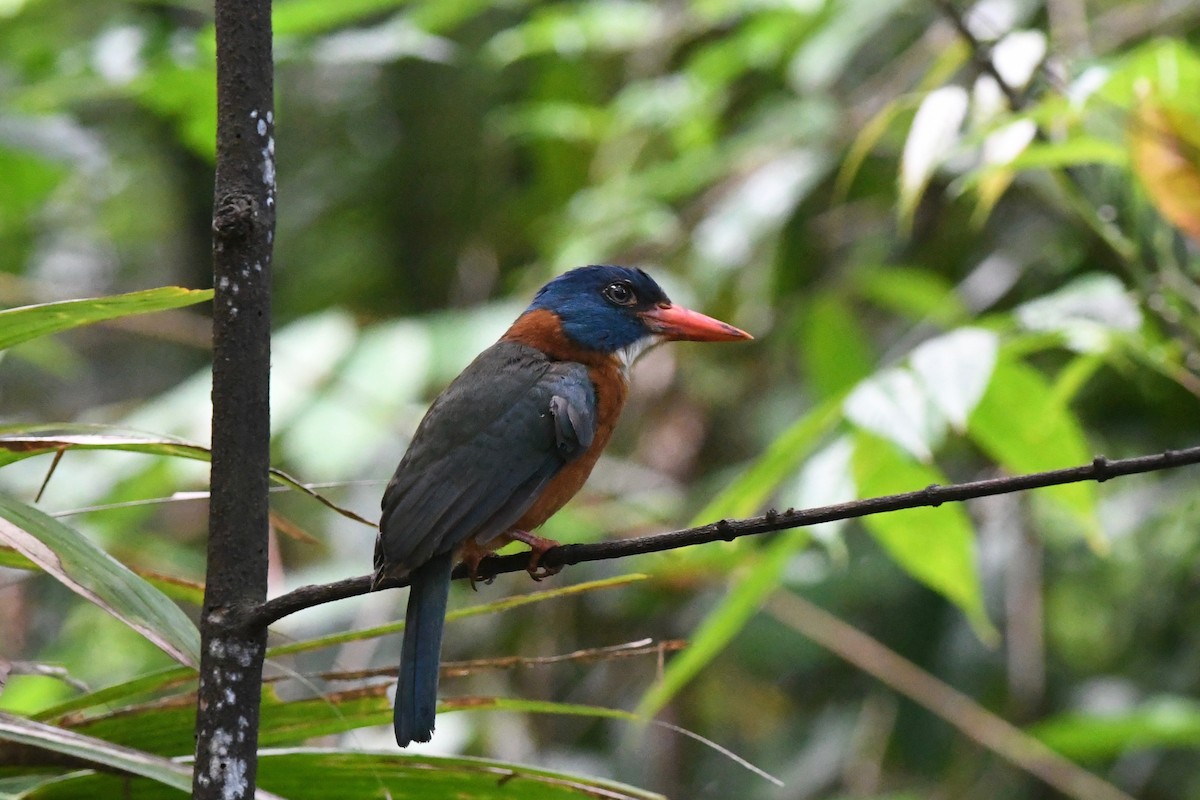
<point x="472" y="555"/>
<point x="538" y="546"/>
<point x="540" y="572"/>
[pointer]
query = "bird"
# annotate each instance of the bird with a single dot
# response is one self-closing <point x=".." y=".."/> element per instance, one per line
<point x="508" y="443"/>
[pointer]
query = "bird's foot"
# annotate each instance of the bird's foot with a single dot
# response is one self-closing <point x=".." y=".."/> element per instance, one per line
<point x="538" y="545"/>
<point x="472" y="554"/>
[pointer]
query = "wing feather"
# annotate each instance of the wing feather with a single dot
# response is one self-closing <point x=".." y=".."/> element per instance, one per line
<point x="484" y="452"/>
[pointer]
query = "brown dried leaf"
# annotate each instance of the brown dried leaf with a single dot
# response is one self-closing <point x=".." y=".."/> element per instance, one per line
<point x="1165" y="147"/>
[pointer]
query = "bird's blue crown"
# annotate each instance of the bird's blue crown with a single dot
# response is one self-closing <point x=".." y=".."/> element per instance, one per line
<point x="598" y="306"/>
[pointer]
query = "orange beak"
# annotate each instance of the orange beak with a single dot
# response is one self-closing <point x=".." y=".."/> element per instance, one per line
<point x="675" y="323"/>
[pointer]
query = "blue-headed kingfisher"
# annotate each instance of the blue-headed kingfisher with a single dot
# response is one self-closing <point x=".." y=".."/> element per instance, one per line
<point x="511" y="440"/>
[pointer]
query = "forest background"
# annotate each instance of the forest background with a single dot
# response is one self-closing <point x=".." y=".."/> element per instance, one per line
<point x="964" y="237"/>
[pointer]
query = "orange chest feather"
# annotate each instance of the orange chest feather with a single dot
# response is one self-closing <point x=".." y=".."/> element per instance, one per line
<point x="541" y="330"/>
<point x="610" y="398"/>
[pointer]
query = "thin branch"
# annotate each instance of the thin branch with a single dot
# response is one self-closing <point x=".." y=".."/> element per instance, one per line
<point x="459" y="669"/>
<point x="58" y="454"/>
<point x="1100" y="470"/>
<point x="590" y="655"/>
<point x="290" y="484"/>
<point x="981" y="53"/>
<point x="1065" y="179"/>
<point x="43" y="670"/>
<point x="993" y="732"/>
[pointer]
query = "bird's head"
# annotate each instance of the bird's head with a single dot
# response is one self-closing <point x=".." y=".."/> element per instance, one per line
<point x="622" y="311"/>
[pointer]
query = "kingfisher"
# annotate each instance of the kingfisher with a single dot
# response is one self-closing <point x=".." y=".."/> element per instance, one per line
<point x="508" y="443"/>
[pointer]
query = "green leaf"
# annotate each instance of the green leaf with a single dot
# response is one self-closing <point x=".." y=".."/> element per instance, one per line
<point x="315" y="774"/>
<point x="914" y="293"/>
<point x="314" y="16"/>
<point x="537" y="707"/>
<point x="29" y="322"/>
<point x="600" y="712"/>
<point x="123" y="759"/>
<point x="893" y="404"/>
<point x="999" y="149"/>
<point x="568" y="122"/>
<point x="865" y="141"/>
<point x="955" y="369"/>
<point x="18" y="786"/>
<point x="28" y="180"/>
<point x="934" y="545"/>
<point x="21" y="442"/>
<point x="11" y="559"/>
<point x="1164" y="722"/>
<point x="1088" y="312"/>
<point x="178" y="589"/>
<point x="181" y="679"/>
<point x="161" y="728"/>
<point x="1025" y="426"/>
<point x="167" y="729"/>
<point x="309" y="17"/>
<point x="327" y="715"/>
<point x="175" y="588"/>
<point x="299" y="720"/>
<point x="600" y="28"/>
<point x="90" y="572"/>
<point x="1072" y="152"/>
<point x="950" y="59"/>
<point x="186" y="97"/>
<point x="931" y="139"/>
<point x="837" y="353"/>
<point x="152" y="684"/>
<point x="1170" y="67"/>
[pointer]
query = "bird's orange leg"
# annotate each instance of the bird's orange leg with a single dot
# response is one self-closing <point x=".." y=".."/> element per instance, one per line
<point x="538" y="545"/>
<point x="471" y="554"/>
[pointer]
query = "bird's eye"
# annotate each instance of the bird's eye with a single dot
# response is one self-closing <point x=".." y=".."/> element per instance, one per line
<point x="620" y="293"/>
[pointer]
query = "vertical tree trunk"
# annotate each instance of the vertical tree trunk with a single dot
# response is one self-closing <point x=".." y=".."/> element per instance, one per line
<point x="243" y="229"/>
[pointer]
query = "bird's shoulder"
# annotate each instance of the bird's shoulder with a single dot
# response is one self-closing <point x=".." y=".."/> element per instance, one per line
<point x="542" y="330"/>
<point x="503" y="395"/>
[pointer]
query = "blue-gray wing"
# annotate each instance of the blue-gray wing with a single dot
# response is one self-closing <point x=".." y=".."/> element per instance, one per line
<point x="483" y="453"/>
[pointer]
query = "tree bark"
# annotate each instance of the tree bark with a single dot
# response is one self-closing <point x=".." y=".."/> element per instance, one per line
<point x="243" y="230"/>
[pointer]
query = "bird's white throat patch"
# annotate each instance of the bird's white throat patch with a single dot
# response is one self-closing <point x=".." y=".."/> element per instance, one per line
<point x="630" y="353"/>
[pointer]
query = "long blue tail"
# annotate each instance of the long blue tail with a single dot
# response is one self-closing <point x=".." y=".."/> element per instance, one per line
<point x="420" y="656"/>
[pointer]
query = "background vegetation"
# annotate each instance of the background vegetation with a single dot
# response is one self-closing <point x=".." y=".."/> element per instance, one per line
<point x="964" y="237"/>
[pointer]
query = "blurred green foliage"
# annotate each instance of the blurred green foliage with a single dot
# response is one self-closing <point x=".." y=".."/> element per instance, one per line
<point x="946" y="280"/>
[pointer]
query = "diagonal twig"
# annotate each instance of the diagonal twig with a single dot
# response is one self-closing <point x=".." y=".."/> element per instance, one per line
<point x="58" y="454"/>
<point x="981" y="53"/>
<point x="590" y="655"/>
<point x="993" y="732"/>
<point x="1100" y="469"/>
